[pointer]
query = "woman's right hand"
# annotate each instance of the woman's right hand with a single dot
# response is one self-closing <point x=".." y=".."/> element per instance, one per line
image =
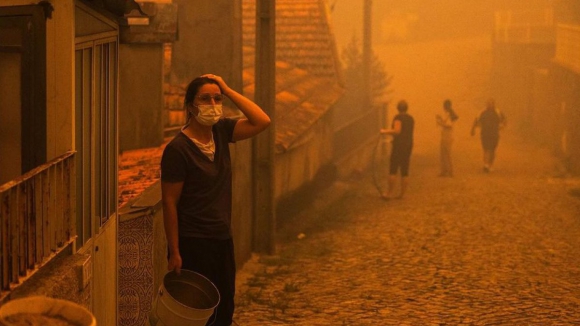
<point x="222" y="84"/>
<point x="174" y="263"/>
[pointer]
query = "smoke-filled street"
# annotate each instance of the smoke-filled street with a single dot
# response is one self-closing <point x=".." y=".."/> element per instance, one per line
<point x="290" y="162"/>
<point x="477" y="249"/>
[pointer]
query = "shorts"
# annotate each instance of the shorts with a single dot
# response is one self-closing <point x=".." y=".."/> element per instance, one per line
<point x="400" y="160"/>
<point x="489" y="142"/>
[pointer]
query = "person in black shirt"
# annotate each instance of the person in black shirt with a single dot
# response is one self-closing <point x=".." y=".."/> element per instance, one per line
<point x="196" y="186"/>
<point x="402" y="145"/>
<point x="490" y="121"/>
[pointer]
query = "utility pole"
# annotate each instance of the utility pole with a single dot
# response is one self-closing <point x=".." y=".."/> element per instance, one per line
<point x="367" y="53"/>
<point x="263" y="146"/>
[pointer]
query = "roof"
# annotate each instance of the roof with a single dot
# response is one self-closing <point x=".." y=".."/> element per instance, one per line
<point x="307" y="68"/>
<point x="138" y="170"/>
<point x="301" y="100"/>
<point x="304" y="37"/>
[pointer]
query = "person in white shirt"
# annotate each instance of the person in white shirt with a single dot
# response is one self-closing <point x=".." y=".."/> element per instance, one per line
<point x="446" y="121"/>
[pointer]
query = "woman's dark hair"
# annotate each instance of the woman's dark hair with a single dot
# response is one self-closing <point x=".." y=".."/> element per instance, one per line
<point x="402" y="106"/>
<point x="193" y="89"/>
<point x="448" y="108"/>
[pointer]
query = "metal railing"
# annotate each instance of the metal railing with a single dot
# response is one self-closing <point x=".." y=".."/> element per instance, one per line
<point x="568" y="46"/>
<point x="36" y="219"/>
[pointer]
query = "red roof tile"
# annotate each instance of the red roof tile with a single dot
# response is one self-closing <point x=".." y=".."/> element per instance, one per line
<point x="304" y="36"/>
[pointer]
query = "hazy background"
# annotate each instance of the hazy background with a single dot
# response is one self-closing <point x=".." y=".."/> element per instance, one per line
<point x="414" y="20"/>
<point x="433" y="50"/>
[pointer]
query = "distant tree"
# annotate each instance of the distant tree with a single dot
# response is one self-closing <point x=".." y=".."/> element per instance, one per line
<point x="352" y="59"/>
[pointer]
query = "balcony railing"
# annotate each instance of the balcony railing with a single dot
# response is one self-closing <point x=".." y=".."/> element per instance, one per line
<point x="568" y="47"/>
<point x="36" y="219"/>
<point x="528" y="26"/>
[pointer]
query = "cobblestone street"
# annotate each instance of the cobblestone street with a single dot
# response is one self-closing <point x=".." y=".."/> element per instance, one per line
<point x="476" y="249"/>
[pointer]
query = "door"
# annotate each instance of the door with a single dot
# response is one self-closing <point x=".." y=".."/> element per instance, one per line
<point x="22" y="90"/>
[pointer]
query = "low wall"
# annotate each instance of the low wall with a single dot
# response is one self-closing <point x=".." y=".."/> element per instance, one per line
<point x="59" y="279"/>
<point x="141" y="241"/>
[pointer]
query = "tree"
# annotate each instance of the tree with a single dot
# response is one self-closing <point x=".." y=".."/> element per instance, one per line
<point x="352" y="60"/>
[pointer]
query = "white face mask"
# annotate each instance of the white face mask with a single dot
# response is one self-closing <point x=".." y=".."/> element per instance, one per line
<point x="209" y="114"/>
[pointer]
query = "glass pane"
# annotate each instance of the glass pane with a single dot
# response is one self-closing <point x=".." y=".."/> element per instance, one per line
<point x="10" y="110"/>
<point x="79" y="145"/>
<point x="97" y="134"/>
<point x="86" y="141"/>
<point x="105" y="133"/>
<point x="112" y="128"/>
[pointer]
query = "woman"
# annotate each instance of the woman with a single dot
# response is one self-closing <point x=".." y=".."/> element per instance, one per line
<point x="402" y="132"/>
<point x="446" y="122"/>
<point x="491" y="121"/>
<point x="196" y="185"/>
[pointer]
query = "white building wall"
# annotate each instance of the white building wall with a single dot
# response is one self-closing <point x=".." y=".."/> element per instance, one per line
<point x="299" y="165"/>
<point x="60" y="49"/>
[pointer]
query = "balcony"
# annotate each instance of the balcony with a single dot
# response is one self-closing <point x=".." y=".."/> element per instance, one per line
<point x="568" y="47"/>
<point x="531" y="26"/>
<point x="36" y="220"/>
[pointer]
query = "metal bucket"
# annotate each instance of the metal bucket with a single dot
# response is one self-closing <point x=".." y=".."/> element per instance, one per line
<point x="49" y="307"/>
<point x="185" y="299"/>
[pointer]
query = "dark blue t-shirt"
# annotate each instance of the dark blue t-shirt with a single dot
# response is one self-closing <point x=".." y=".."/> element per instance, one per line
<point x="490" y="122"/>
<point x="405" y="138"/>
<point x="204" y="209"/>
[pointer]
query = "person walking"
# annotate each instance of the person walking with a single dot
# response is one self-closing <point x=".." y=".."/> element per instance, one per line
<point x="445" y="122"/>
<point x="490" y="121"/>
<point x="402" y="130"/>
<point x="196" y="186"/>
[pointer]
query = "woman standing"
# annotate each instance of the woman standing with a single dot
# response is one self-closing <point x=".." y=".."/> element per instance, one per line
<point x="402" y="132"/>
<point x="446" y="122"/>
<point x="196" y="185"/>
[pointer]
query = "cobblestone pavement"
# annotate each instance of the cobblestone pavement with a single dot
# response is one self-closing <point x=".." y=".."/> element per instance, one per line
<point x="476" y="249"/>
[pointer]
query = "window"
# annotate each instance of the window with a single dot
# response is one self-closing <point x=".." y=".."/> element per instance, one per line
<point x="95" y="127"/>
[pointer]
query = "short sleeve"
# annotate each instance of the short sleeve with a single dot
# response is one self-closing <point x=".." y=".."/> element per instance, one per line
<point x="173" y="165"/>
<point x="396" y="118"/>
<point x="229" y="126"/>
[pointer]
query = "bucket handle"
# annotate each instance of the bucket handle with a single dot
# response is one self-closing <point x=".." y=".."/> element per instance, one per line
<point x="214" y="317"/>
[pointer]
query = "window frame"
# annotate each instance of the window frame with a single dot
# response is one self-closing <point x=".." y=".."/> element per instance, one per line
<point x="97" y="163"/>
